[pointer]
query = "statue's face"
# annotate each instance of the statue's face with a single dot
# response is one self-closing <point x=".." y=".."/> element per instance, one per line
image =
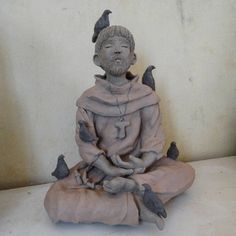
<point x="115" y="56"/>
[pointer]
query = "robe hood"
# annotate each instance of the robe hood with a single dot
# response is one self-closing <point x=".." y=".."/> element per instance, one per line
<point x="107" y="99"/>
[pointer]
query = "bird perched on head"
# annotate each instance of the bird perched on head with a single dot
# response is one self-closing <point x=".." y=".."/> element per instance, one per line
<point x="84" y="133"/>
<point x="148" y="79"/>
<point x="173" y="151"/>
<point x="62" y="169"/>
<point x="101" y="24"/>
<point x="152" y="202"/>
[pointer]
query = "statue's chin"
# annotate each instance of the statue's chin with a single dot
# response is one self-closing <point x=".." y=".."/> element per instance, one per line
<point x="117" y="71"/>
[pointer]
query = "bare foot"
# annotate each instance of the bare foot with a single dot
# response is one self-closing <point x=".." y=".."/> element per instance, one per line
<point x="113" y="186"/>
<point x="119" y="184"/>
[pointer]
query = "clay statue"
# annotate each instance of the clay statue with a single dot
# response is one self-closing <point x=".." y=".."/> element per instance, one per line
<point x="124" y="177"/>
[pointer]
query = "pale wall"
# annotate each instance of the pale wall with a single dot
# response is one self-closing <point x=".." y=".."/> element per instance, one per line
<point x="46" y="63"/>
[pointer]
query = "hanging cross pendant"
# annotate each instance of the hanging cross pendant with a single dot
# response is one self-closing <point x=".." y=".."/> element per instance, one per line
<point x="121" y="125"/>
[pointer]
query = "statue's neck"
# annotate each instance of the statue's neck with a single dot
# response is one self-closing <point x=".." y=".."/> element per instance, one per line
<point x="117" y="80"/>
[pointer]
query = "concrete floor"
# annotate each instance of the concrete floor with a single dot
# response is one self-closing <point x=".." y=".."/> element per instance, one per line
<point x="207" y="208"/>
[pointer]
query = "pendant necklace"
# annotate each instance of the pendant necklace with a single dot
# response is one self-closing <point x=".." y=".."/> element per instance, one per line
<point x="122" y="123"/>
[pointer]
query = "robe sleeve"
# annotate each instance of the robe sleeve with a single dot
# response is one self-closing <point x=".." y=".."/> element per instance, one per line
<point x="88" y="151"/>
<point x="152" y="135"/>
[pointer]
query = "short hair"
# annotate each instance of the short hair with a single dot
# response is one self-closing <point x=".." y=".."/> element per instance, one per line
<point x="111" y="31"/>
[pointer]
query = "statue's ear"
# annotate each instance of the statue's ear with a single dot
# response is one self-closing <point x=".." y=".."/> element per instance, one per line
<point x="134" y="60"/>
<point x="96" y="60"/>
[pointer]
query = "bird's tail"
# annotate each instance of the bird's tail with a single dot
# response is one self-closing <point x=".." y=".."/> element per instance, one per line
<point x="94" y="38"/>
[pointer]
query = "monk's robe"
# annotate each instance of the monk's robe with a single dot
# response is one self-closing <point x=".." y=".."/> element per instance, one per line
<point x="123" y="120"/>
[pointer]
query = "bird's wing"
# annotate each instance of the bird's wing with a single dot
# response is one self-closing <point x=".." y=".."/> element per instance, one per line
<point x="99" y="24"/>
<point x="149" y="202"/>
<point x="155" y="204"/>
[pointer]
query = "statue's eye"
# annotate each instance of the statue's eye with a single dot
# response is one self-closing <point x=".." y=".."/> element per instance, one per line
<point x="124" y="46"/>
<point x="108" y="46"/>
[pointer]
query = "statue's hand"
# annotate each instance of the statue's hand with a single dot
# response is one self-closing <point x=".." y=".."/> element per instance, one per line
<point x="136" y="162"/>
<point x="116" y="172"/>
<point x="116" y="160"/>
<point x="139" y="170"/>
<point x="103" y="164"/>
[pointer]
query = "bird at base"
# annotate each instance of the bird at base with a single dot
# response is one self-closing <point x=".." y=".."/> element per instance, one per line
<point x="152" y="202"/>
<point x="62" y="170"/>
<point x="148" y="78"/>
<point x="173" y="151"/>
<point x="101" y="24"/>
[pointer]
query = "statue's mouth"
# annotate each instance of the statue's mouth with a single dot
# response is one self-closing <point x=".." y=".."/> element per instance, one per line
<point x="117" y="60"/>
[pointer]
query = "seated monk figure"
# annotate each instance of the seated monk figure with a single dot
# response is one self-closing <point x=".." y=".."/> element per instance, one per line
<point x="124" y="177"/>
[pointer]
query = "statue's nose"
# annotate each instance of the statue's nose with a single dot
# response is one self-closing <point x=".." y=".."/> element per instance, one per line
<point x="117" y="51"/>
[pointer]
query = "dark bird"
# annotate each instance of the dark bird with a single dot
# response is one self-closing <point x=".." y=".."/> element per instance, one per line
<point x="173" y="151"/>
<point x="84" y="133"/>
<point x="62" y="169"/>
<point x="101" y="24"/>
<point x="148" y="77"/>
<point x="152" y="202"/>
